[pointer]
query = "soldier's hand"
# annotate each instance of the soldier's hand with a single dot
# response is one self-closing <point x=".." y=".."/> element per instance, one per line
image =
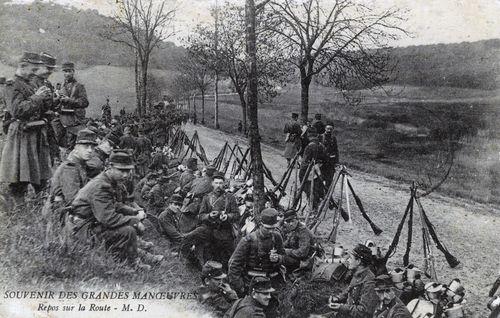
<point x="214" y="214"/>
<point x="140" y="227"/>
<point x="65" y="99"/>
<point x="223" y="216"/>
<point x="333" y="299"/>
<point x="141" y="215"/>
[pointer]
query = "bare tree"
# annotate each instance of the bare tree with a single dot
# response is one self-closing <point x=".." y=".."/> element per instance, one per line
<point x="196" y="75"/>
<point x="141" y="25"/>
<point x="232" y="55"/>
<point x="336" y="39"/>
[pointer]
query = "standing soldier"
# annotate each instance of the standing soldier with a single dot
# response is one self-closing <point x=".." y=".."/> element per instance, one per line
<point x="26" y="154"/>
<point x="318" y="124"/>
<point x="215" y="293"/>
<point x="106" y="113"/>
<point x="329" y="140"/>
<point x="299" y="241"/>
<point x="3" y="97"/>
<point x="218" y="212"/>
<point x="292" y="141"/>
<point x="259" y="254"/>
<point x="315" y="153"/>
<point x="94" y="213"/>
<point x="144" y="148"/>
<point x="73" y="100"/>
<point x="41" y="79"/>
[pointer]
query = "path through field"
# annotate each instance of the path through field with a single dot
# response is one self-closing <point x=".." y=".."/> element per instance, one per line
<point x="468" y="229"/>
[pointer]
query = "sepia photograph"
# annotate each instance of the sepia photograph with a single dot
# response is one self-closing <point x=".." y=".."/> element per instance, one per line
<point x="250" y="158"/>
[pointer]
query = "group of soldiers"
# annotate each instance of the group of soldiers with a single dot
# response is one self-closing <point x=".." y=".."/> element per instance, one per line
<point x="110" y="180"/>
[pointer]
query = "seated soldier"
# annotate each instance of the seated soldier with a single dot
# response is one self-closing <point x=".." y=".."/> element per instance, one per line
<point x="187" y="175"/>
<point x="390" y="306"/>
<point x="215" y="293"/>
<point x="218" y="211"/>
<point x="94" y="213"/>
<point x="255" y="303"/>
<point x="298" y="242"/>
<point x="360" y="298"/>
<point x="169" y="220"/>
<point x="100" y="155"/>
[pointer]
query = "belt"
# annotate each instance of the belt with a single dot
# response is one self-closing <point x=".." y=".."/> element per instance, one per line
<point x="254" y="273"/>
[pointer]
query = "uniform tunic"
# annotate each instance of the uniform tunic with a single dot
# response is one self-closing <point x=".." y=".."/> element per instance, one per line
<point x="252" y="254"/>
<point x="361" y="299"/>
<point x="78" y="99"/>
<point x="26" y="153"/>
<point x="169" y="223"/>
<point x="395" y="309"/>
<point x="95" y="207"/>
<point x="292" y="143"/>
<point x="299" y="244"/>
<point x="218" y="301"/>
<point x="245" y="307"/>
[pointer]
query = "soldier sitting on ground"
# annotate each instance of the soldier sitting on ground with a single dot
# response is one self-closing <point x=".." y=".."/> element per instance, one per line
<point x="390" y="306"/>
<point x="100" y="155"/>
<point x="299" y="241"/>
<point x="71" y="175"/>
<point x="94" y="213"/>
<point x="360" y="298"/>
<point x="215" y="293"/>
<point x="169" y="220"/>
<point x="254" y="304"/>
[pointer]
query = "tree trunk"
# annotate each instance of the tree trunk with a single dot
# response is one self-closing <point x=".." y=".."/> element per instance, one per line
<point x="144" y="90"/>
<point x="203" y="107"/>
<point x="305" y="82"/>
<point x="216" y="100"/>
<point x="253" y="129"/>
<point x="194" y="109"/>
<point x="243" y="104"/>
<point x="137" y="84"/>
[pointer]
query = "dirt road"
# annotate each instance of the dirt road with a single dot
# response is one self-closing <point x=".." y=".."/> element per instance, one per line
<point x="468" y="229"/>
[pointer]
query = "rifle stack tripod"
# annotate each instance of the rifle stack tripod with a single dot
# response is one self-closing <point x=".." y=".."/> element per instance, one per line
<point x="428" y="234"/>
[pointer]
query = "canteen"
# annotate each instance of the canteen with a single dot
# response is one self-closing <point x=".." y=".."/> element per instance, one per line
<point x="338" y="251"/>
<point x="397" y="275"/>
<point x="411" y="273"/>
<point x="456" y="286"/>
<point x="456" y="311"/>
<point x="433" y="290"/>
<point x="421" y="308"/>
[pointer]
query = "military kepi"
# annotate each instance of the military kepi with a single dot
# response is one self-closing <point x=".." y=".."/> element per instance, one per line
<point x="269" y="217"/>
<point x="29" y="57"/>
<point x="261" y="285"/>
<point x="48" y="59"/>
<point x="68" y="66"/>
<point x="121" y="160"/>
<point x="213" y="269"/>
<point x="86" y="137"/>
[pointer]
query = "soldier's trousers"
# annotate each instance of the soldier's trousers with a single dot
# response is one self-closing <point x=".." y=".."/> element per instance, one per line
<point x="120" y="242"/>
<point x="213" y="248"/>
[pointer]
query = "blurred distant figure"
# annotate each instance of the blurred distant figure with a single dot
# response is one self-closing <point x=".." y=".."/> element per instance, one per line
<point x="318" y="124"/>
<point x="292" y="141"/>
<point x="106" y="113"/>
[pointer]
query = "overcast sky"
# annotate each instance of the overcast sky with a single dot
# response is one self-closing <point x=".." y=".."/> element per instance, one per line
<point x="430" y="21"/>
